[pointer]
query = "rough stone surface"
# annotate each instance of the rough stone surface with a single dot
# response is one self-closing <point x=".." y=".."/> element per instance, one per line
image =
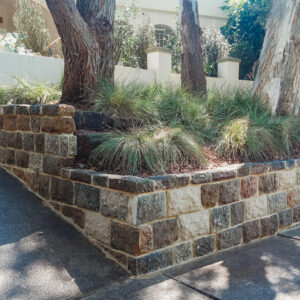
<point x="98" y="227"/>
<point x="75" y="214"/>
<point x="171" y="181"/>
<point x="62" y="190"/>
<point x="82" y="175"/>
<point x="10" y="156"/>
<point x="204" y="245"/>
<point x="223" y="174"/>
<point x="39" y="143"/>
<point x="22" y="159"/>
<point x="150" y="207"/>
<point x="58" y="125"/>
<point x="230" y="238"/>
<point x="259" y="168"/>
<point x="14" y="140"/>
<point x="155" y="261"/>
<point x="36" y="161"/>
<point x="183" y="200"/>
<point x="73" y="145"/>
<point x="91" y="120"/>
<point x="87" y="197"/>
<point x="194" y="224"/>
<point x="250" y="231"/>
<point x="52" y="144"/>
<point x="23" y="123"/>
<point x="183" y="253"/>
<point x="249" y="187"/>
<point x="114" y="204"/>
<point x="220" y="218"/>
<point x="28" y="141"/>
<point x="243" y="170"/>
<point x="3" y="138"/>
<point x="287" y="179"/>
<point x="100" y="179"/>
<point x="63" y="145"/>
<point x="277" y="165"/>
<point x="277" y="202"/>
<point x="286" y="218"/>
<point x="132" y="184"/>
<point x="230" y="191"/>
<point x="237" y="211"/>
<point x="296" y="214"/>
<point x="210" y="194"/>
<point x="165" y="233"/>
<point x="44" y="186"/>
<point x="293" y="197"/>
<point x="35" y="124"/>
<point x="52" y="165"/>
<point x="298" y="176"/>
<point x="256" y="207"/>
<point x="269" y="225"/>
<point x="9" y="123"/>
<point x="268" y="183"/>
<point x="201" y="177"/>
<point x="146" y="239"/>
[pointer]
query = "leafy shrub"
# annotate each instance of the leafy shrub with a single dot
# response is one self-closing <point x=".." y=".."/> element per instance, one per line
<point x="30" y="25"/>
<point x="29" y="93"/>
<point x="150" y="149"/>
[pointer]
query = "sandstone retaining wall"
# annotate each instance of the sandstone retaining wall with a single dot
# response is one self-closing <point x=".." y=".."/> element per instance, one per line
<point x="146" y="224"/>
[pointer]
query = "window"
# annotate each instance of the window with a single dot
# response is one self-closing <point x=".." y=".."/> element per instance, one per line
<point x="163" y="34"/>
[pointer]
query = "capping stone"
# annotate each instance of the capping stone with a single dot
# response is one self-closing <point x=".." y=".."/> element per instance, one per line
<point x="84" y="176"/>
<point x="183" y="200"/>
<point x="259" y="168"/>
<point x="171" y="181"/>
<point x="223" y="174"/>
<point x="22" y="109"/>
<point x="201" y="177"/>
<point x="131" y="184"/>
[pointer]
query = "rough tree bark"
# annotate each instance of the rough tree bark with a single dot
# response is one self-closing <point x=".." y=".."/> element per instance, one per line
<point x="192" y="75"/>
<point x="86" y="31"/>
<point x="278" y="76"/>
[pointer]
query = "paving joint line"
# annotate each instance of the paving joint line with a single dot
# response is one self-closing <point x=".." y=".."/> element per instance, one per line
<point x="288" y="237"/>
<point x="194" y="288"/>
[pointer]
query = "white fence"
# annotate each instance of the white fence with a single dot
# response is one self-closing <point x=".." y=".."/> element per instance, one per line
<point x="37" y="68"/>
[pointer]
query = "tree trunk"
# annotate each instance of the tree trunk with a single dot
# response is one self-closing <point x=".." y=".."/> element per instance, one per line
<point x="278" y="76"/>
<point x="86" y="31"/>
<point x="192" y="75"/>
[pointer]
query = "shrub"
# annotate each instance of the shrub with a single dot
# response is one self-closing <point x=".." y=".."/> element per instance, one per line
<point x="29" y="93"/>
<point x="141" y="150"/>
<point x="30" y="25"/>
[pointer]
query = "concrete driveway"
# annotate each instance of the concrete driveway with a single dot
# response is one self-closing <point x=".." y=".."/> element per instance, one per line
<point x="42" y="257"/>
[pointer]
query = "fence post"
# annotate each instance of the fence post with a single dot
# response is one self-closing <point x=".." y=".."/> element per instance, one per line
<point x="160" y="61"/>
<point x="229" y="68"/>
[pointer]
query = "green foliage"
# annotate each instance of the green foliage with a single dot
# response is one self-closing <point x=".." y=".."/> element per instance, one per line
<point x="153" y="149"/>
<point x="30" y="25"/>
<point x="29" y="93"/>
<point x="245" y="31"/>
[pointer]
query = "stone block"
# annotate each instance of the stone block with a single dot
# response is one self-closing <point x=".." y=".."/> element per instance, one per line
<point x="154" y="261"/>
<point x="52" y="165"/>
<point x="165" y="233"/>
<point x="243" y="170"/>
<point x="131" y="184"/>
<point x="277" y="202"/>
<point x="35" y="124"/>
<point x="2" y="155"/>
<point x="55" y="206"/>
<point x="293" y="197"/>
<point x="269" y="225"/>
<point x="100" y="179"/>
<point x="286" y="218"/>
<point x="9" y="109"/>
<point x="87" y="197"/>
<point x="52" y="144"/>
<point x="39" y="143"/>
<point x="277" y="165"/>
<point x="10" y="156"/>
<point x="230" y="191"/>
<point x="19" y="173"/>
<point x="72" y="145"/>
<point x="256" y="207"/>
<point x="237" y="211"/>
<point x="28" y="141"/>
<point x="1" y="122"/>
<point x="249" y="187"/>
<point x="44" y="186"/>
<point x="22" y="109"/>
<point x="10" y="123"/>
<point x="183" y="253"/>
<point x="210" y="195"/>
<point x="230" y="238"/>
<point x="150" y="207"/>
<point x="132" y="240"/>
<point x="2" y="139"/>
<point x="62" y="190"/>
<point x="220" y="218"/>
<point x="35" y="109"/>
<point x="114" y="204"/>
<point x="91" y="120"/>
<point x="223" y="174"/>
<point x="290" y="163"/>
<point x="63" y="145"/>
<point x="287" y="179"/>
<point x="75" y="214"/>
<point x="58" y="110"/>
<point x="58" y="125"/>
<point x="201" y="177"/>
<point x="171" y="181"/>
<point x="36" y="161"/>
<point x="204" y="245"/>
<point x="98" y="227"/>
<point x="268" y="183"/>
<point x="183" y="200"/>
<point x="82" y="175"/>
<point x="31" y="179"/>
<point x="22" y="159"/>
<point x="194" y="224"/>
<point x="250" y="231"/>
<point x="259" y="168"/>
<point x="23" y="123"/>
<point x="14" y="140"/>
<point x="296" y="214"/>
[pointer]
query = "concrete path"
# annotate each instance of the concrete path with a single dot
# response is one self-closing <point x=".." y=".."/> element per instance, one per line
<point x="42" y="257"/>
